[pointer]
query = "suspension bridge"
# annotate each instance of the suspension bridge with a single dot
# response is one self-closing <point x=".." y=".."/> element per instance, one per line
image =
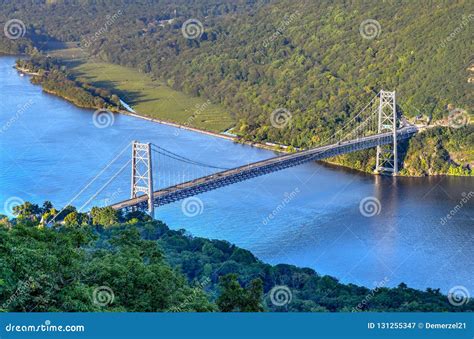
<point x="376" y="125"/>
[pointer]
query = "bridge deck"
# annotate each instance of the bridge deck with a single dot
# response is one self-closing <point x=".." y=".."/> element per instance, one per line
<point x="245" y="172"/>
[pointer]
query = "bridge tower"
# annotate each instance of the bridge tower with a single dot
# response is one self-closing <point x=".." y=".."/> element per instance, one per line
<point x="387" y="157"/>
<point x="142" y="173"/>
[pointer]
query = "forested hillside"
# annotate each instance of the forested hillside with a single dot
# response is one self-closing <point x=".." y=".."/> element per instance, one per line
<point x="106" y="261"/>
<point x="311" y="58"/>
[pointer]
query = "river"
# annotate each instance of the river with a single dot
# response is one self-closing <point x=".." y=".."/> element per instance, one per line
<point x="308" y="216"/>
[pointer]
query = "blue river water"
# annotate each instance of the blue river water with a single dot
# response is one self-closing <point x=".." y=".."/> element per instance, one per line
<point x="308" y="216"/>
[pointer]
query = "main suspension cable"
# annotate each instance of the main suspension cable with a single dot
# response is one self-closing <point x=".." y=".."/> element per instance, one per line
<point x="178" y="157"/>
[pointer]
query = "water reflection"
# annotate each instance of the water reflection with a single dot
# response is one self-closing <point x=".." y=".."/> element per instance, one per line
<point x="53" y="151"/>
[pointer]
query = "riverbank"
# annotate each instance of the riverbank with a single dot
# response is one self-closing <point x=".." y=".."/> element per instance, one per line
<point x="135" y="114"/>
<point x="54" y="80"/>
<point x="25" y="71"/>
<point x="151" y="97"/>
<point x="350" y="161"/>
<point x="56" y="151"/>
<point x="280" y="149"/>
<point x="454" y="163"/>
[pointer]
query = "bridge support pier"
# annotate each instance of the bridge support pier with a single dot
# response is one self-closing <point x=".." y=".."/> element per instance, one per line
<point x="142" y="173"/>
<point x="387" y="155"/>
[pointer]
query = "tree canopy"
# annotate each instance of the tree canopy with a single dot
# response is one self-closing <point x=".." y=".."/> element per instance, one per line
<point x="140" y="265"/>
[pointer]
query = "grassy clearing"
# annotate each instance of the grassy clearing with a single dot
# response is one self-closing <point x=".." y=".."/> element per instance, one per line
<point x="147" y="96"/>
<point x="154" y="99"/>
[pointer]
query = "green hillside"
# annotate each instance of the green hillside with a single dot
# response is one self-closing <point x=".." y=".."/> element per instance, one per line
<point x="321" y="61"/>
<point x="118" y="263"/>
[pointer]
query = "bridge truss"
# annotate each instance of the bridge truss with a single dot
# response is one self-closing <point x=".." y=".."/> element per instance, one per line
<point x="387" y="155"/>
<point x="376" y="125"/>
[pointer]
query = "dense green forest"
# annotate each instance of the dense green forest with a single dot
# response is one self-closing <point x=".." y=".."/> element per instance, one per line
<point x="311" y="58"/>
<point x="106" y="261"/>
<point x="432" y="152"/>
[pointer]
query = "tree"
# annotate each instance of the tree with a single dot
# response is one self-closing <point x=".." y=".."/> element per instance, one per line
<point x="254" y="297"/>
<point x="27" y="210"/>
<point x="62" y="269"/>
<point x="232" y="292"/>
<point x="64" y="212"/>
<point x="104" y="216"/>
<point x="235" y="298"/>
<point x="47" y="206"/>
<point x="48" y="215"/>
<point x="73" y="219"/>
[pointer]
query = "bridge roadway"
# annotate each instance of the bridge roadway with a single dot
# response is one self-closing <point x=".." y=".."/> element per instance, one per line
<point x="245" y="172"/>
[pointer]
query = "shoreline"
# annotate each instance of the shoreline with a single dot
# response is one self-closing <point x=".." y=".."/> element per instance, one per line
<point x="267" y="147"/>
<point x="277" y="148"/>
<point x="202" y="131"/>
<point x="281" y="148"/>
<point x="211" y="134"/>
<point x="25" y="71"/>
